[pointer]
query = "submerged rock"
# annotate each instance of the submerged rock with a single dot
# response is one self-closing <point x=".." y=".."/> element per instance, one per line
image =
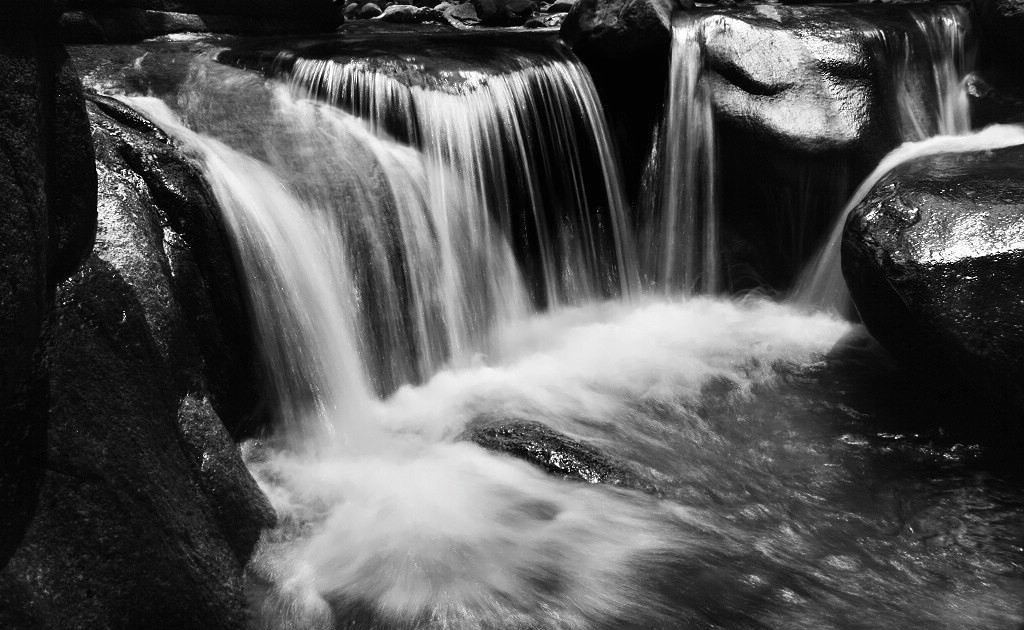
<point x="934" y="259"/>
<point x="146" y="514"/>
<point x="556" y="453"/>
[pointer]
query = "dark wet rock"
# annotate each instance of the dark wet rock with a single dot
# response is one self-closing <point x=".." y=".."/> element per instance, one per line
<point x="1001" y="30"/>
<point x="146" y="514"/>
<point x="461" y="15"/>
<point x="351" y="10"/>
<point x="553" y="20"/>
<point x="369" y="10"/>
<point x="561" y="6"/>
<point x="47" y="223"/>
<point x="934" y="260"/>
<point x="625" y="44"/>
<point x="91" y="21"/>
<point x="556" y="453"/>
<point x="804" y="102"/>
<point x="504" y="12"/>
<point x="409" y="14"/>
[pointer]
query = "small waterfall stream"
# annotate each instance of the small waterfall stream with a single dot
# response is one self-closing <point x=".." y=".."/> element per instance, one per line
<point x="923" y="69"/>
<point x="381" y="204"/>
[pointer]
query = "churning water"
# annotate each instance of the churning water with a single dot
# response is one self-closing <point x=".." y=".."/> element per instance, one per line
<point x="782" y="480"/>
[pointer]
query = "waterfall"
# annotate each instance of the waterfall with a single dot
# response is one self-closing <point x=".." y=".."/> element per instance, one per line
<point x="932" y="103"/>
<point x="523" y="143"/>
<point x="376" y="216"/>
<point x="379" y="220"/>
<point x="920" y="65"/>
<point x="682" y="241"/>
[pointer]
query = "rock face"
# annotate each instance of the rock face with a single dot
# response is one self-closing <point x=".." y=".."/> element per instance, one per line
<point x="47" y="223"/>
<point x="805" y="101"/>
<point x="504" y="12"/>
<point x="1001" y="25"/>
<point x="146" y="514"/>
<point x="934" y="259"/>
<point x="556" y="453"/>
<point x="91" y="21"/>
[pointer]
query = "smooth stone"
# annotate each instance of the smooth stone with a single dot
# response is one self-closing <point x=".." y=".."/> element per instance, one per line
<point x="934" y="260"/>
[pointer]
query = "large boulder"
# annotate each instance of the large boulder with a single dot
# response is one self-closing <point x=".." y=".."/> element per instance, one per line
<point x="146" y="514"/>
<point x="89" y="21"/>
<point x="805" y="100"/>
<point x="47" y="219"/>
<point x="504" y="12"/>
<point x="934" y="259"/>
<point x="1001" y="29"/>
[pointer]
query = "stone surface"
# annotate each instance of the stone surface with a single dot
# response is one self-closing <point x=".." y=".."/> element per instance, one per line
<point x="625" y="44"/>
<point x="47" y="224"/>
<point x="934" y="259"/>
<point x="561" y="6"/>
<point x="408" y="14"/>
<point x="368" y="10"/>
<point x="1001" y="30"/>
<point x="804" y="100"/>
<point x="145" y="514"/>
<point x="461" y="15"/>
<point x="504" y="12"/>
<point x="553" y="20"/>
<point x="556" y="453"/>
<point x="92" y="21"/>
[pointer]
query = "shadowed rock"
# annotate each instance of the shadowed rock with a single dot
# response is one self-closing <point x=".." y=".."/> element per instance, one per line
<point x="934" y="259"/>
<point x="47" y="223"/>
<point x="89" y="21"/>
<point x="146" y="514"/>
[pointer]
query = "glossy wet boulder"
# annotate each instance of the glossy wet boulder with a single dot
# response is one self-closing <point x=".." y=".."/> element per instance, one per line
<point x="934" y="259"/>
<point x="145" y="515"/>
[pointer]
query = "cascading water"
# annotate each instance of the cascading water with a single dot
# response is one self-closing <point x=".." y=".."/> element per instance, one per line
<point x="513" y="130"/>
<point x="947" y="62"/>
<point x="920" y="65"/>
<point x="682" y="228"/>
<point x="395" y="319"/>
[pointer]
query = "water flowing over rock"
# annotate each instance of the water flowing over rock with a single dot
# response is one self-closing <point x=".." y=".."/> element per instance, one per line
<point x="625" y="44"/>
<point x="567" y="224"/>
<point x="776" y="111"/>
<point x="146" y="513"/>
<point x="934" y="257"/>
